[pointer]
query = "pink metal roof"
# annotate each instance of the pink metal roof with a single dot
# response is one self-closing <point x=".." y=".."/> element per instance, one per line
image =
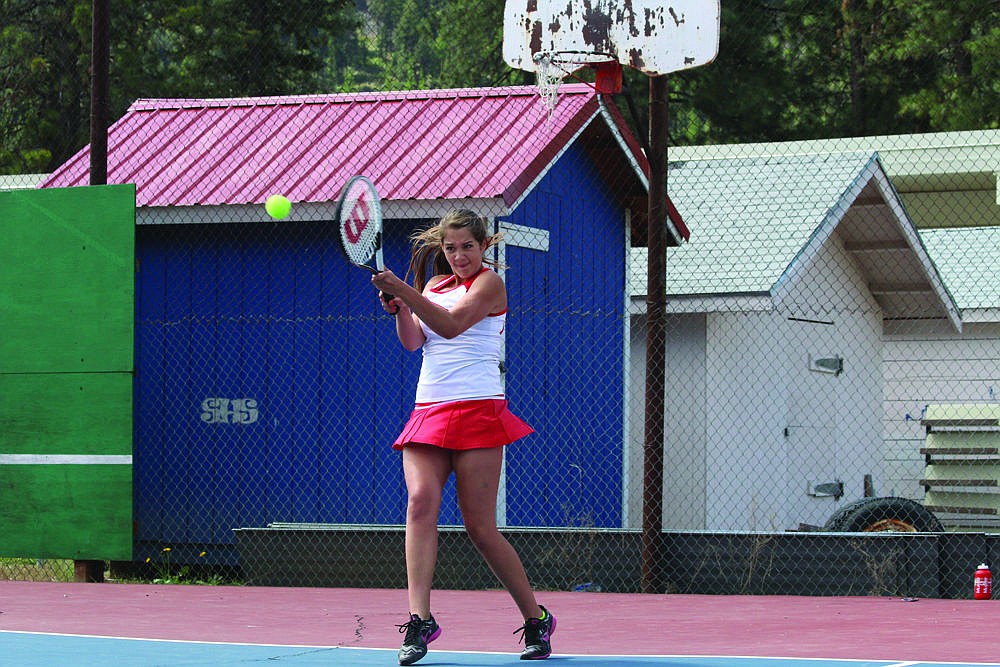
<point x="419" y="145"/>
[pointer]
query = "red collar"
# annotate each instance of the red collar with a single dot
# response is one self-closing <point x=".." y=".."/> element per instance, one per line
<point x="451" y="282"/>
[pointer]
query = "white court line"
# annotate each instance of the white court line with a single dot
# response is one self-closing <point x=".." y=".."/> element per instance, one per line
<point x="73" y="635"/>
<point x="65" y="459"/>
<point x="887" y="663"/>
<point x="684" y="656"/>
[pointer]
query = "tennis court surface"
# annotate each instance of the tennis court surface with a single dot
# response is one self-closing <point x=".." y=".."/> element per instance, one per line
<point x="125" y="624"/>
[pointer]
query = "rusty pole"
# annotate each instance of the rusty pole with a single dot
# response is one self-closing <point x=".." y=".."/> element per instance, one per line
<point x="100" y="51"/>
<point x="100" y="59"/>
<point x="656" y="310"/>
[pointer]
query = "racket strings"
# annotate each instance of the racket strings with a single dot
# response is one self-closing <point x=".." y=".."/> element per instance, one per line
<point x="360" y="222"/>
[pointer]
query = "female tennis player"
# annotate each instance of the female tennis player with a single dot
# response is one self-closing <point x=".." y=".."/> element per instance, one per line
<point x="460" y="422"/>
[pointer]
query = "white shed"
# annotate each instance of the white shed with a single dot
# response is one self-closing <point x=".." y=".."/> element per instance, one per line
<point x="775" y="337"/>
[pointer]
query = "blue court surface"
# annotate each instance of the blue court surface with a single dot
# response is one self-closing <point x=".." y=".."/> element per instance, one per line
<point x="29" y="649"/>
<point x="143" y="625"/>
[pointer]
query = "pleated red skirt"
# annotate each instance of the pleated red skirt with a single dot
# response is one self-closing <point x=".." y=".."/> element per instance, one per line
<point x="463" y="425"/>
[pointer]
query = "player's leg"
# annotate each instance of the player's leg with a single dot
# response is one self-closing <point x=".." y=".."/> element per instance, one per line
<point x="477" y="480"/>
<point x="425" y="470"/>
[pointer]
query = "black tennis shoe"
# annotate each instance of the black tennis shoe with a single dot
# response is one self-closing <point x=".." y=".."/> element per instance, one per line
<point x="536" y="633"/>
<point x="419" y="633"/>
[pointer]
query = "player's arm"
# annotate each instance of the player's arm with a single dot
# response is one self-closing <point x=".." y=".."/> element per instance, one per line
<point x="487" y="295"/>
<point x="408" y="330"/>
<point x="408" y="327"/>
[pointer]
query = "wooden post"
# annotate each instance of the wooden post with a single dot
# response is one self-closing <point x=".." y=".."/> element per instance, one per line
<point x="88" y="571"/>
<point x="656" y="327"/>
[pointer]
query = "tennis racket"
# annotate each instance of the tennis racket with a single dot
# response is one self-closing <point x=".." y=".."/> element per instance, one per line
<point x="359" y="220"/>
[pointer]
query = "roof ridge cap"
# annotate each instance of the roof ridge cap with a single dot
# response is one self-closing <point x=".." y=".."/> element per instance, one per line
<point x="162" y="103"/>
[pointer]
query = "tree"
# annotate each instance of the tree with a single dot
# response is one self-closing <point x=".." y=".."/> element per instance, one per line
<point x="746" y="93"/>
<point x="798" y="69"/>
<point x="787" y="69"/>
<point x="469" y="45"/>
<point x="159" y="48"/>
<point x="959" y="43"/>
<point x="227" y="47"/>
<point x="440" y="44"/>
<point x="44" y="90"/>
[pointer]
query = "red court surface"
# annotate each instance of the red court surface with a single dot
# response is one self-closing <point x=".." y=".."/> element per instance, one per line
<point x="864" y="628"/>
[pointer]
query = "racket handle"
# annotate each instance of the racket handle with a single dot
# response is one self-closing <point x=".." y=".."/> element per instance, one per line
<point x="386" y="298"/>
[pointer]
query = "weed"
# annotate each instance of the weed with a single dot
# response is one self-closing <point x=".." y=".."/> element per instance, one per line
<point x="168" y="573"/>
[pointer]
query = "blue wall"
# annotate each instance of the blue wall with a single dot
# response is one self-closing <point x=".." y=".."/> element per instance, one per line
<point x="274" y="314"/>
<point x="564" y="350"/>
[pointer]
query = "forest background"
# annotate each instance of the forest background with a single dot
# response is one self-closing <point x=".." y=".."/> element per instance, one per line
<point x="787" y="69"/>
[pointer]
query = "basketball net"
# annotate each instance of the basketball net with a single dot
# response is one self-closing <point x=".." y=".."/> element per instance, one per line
<point x="548" y="78"/>
<point x="552" y="66"/>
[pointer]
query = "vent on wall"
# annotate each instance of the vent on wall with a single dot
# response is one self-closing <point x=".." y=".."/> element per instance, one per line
<point x="832" y="365"/>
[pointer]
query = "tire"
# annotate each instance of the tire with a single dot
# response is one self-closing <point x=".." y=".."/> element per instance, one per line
<point x="875" y="515"/>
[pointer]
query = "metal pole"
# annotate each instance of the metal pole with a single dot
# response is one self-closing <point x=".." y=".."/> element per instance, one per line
<point x="656" y="310"/>
<point x="100" y="52"/>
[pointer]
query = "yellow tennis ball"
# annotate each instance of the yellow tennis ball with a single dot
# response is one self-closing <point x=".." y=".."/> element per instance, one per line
<point x="278" y="206"/>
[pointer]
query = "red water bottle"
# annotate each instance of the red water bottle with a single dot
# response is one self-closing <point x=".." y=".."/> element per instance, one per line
<point x="982" y="584"/>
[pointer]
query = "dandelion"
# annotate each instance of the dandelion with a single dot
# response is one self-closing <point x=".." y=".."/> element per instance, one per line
<point x="168" y="572"/>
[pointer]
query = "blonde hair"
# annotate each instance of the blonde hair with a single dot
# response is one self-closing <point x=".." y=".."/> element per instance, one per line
<point x="427" y="253"/>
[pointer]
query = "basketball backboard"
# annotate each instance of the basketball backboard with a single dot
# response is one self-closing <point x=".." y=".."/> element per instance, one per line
<point x="653" y="36"/>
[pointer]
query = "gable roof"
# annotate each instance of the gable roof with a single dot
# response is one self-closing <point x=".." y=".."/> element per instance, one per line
<point x="760" y="219"/>
<point x="962" y="160"/>
<point x="480" y="143"/>
<point x="944" y="178"/>
<point x="969" y="261"/>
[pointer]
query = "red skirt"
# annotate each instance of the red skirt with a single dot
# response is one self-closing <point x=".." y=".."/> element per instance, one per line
<point x="463" y="425"/>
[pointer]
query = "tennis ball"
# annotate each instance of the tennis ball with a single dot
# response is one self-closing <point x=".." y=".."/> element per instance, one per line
<point x="278" y="206"/>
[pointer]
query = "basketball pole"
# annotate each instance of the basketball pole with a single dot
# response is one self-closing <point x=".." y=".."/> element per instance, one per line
<point x="100" y="52"/>
<point x="656" y="349"/>
<point x="99" y="90"/>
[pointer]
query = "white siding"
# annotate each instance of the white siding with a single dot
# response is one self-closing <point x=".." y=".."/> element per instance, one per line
<point x="747" y="366"/>
<point x="684" y="500"/>
<point x="925" y="363"/>
<point x="685" y="443"/>
<point x="748" y="425"/>
<point x="795" y="426"/>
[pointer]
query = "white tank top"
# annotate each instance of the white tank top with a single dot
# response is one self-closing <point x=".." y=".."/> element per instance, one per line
<point x="468" y="365"/>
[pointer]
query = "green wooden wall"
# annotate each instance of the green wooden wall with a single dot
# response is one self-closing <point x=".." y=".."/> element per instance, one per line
<point x="66" y="368"/>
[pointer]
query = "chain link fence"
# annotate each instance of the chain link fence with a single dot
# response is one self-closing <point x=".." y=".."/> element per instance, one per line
<point x="832" y="341"/>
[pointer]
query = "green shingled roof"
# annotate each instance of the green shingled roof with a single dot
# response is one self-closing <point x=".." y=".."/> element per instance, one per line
<point x="757" y="222"/>
<point x="751" y="217"/>
<point x="968" y="259"/>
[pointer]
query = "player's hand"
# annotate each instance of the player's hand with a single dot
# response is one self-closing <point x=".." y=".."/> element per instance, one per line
<point x="386" y="281"/>
<point x="390" y="304"/>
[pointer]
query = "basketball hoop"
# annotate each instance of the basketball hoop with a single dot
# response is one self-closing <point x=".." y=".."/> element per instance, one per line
<point x="655" y="38"/>
<point x="651" y="36"/>
<point x="551" y="67"/>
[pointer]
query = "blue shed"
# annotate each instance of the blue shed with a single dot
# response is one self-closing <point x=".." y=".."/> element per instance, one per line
<point x="270" y="382"/>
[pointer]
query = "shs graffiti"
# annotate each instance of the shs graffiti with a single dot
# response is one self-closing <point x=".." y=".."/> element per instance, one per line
<point x="229" y="410"/>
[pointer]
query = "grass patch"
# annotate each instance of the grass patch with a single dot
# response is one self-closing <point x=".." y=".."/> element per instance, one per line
<point x="36" y="569"/>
